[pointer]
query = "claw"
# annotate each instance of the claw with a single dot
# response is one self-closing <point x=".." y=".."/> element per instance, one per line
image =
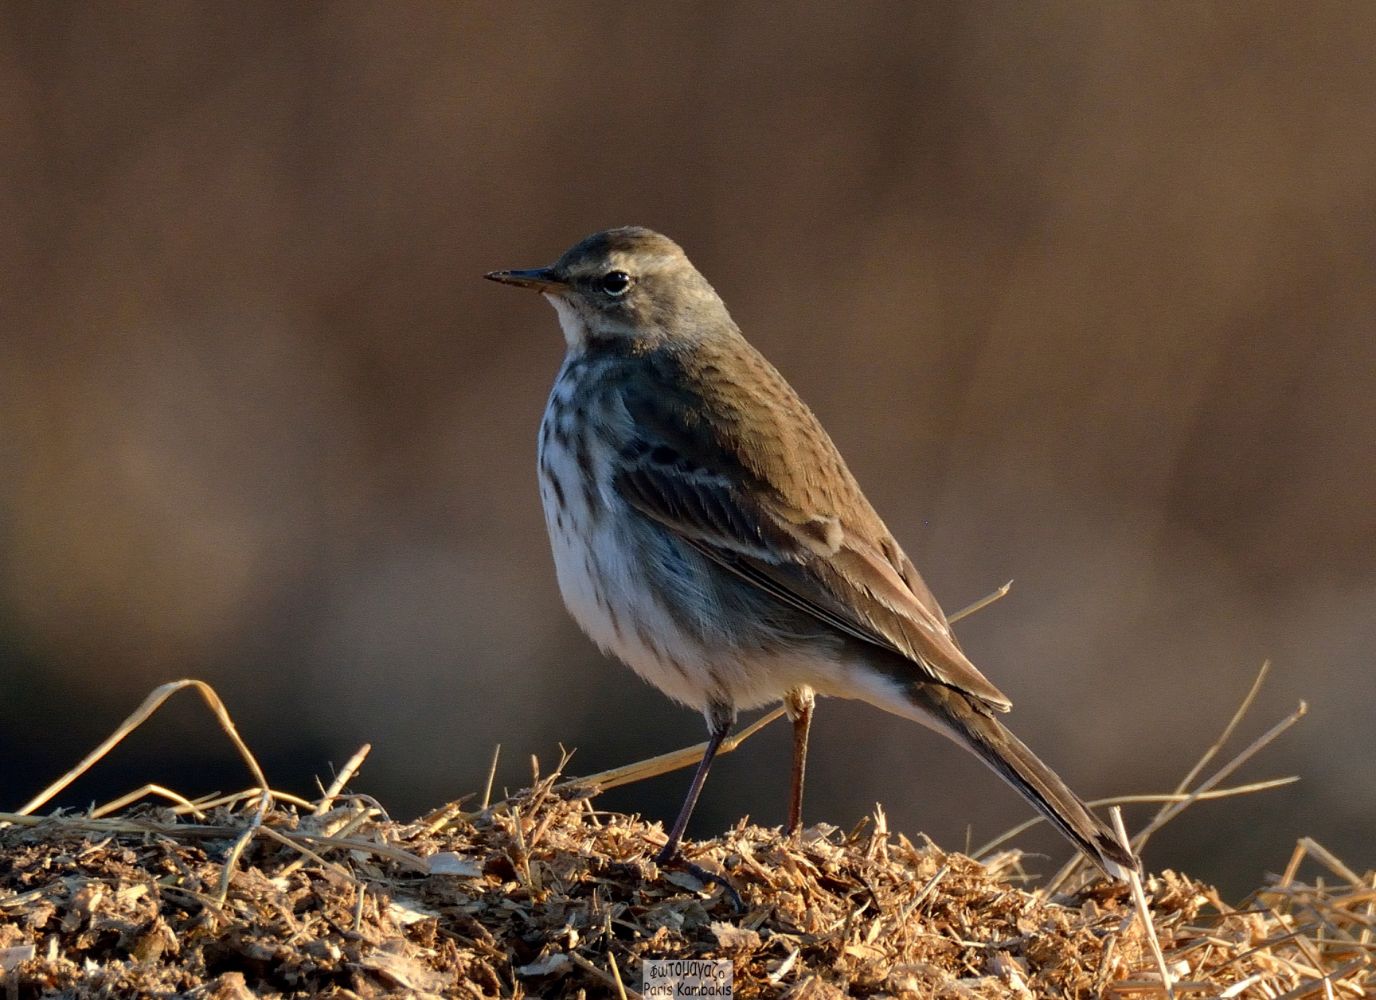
<point x="703" y="875"/>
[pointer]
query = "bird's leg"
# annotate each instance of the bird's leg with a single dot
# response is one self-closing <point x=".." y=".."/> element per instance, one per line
<point x="720" y="719"/>
<point x="799" y="705"/>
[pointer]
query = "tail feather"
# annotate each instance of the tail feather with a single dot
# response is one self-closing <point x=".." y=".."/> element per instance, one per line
<point x="973" y="726"/>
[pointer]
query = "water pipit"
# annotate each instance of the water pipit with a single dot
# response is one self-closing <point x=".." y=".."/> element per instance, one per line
<point x="707" y="532"/>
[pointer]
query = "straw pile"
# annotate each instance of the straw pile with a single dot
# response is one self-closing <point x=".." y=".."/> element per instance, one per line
<point x="543" y="895"/>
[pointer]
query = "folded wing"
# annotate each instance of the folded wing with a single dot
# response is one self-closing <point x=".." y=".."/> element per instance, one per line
<point x="693" y="480"/>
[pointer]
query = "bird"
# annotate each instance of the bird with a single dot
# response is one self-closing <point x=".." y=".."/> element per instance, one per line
<point x="707" y="532"/>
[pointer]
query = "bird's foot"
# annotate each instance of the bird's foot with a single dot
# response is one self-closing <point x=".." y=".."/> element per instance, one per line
<point x="677" y="860"/>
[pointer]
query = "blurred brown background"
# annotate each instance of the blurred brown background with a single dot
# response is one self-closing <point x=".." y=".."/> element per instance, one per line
<point x="1084" y="293"/>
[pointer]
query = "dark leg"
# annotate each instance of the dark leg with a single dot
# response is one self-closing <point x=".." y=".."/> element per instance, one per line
<point x="799" y="704"/>
<point x="719" y="724"/>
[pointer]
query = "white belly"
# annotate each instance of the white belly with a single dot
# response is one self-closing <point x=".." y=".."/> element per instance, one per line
<point x="604" y="585"/>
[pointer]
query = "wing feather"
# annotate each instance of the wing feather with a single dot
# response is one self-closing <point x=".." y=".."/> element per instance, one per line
<point x="810" y="561"/>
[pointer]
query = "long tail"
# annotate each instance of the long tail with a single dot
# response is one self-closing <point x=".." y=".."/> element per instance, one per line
<point x="975" y="728"/>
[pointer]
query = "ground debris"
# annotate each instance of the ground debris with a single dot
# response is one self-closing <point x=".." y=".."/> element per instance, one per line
<point x="541" y="895"/>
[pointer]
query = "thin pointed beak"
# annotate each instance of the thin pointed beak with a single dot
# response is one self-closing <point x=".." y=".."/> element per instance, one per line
<point x="541" y="279"/>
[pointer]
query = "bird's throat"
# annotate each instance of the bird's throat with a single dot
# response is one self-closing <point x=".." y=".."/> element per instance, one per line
<point x="571" y="321"/>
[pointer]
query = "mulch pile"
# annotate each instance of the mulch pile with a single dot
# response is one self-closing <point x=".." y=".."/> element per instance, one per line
<point x="542" y="895"/>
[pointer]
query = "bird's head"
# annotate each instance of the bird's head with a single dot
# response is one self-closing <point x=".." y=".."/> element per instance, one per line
<point x="625" y="285"/>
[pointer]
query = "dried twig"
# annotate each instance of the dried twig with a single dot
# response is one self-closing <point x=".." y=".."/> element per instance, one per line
<point x="137" y="718"/>
<point x="1143" y="911"/>
<point x="341" y="779"/>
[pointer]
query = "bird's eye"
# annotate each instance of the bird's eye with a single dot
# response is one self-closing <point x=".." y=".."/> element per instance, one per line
<point x="615" y="283"/>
